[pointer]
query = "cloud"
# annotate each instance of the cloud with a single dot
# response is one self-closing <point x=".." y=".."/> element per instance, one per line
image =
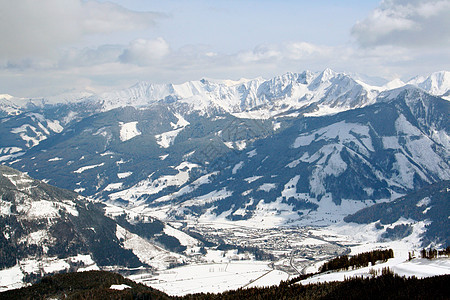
<point x="74" y="57"/>
<point x="144" y="52"/>
<point x="109" y="17"/>
<point x="406" y="23"/>
<point x="260" y="53"/>
<point x="303" y="50"/>
<point x="31" y="27"/>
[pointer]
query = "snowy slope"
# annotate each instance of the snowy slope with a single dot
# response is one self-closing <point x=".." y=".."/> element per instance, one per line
<point x="263" y="97"/>
<point x="47" y="230"/>
<point x="303" y="148"/>
<point x="437" y="83"/>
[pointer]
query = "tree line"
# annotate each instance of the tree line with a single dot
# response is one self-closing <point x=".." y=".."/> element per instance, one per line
<point x="344" y="262"/>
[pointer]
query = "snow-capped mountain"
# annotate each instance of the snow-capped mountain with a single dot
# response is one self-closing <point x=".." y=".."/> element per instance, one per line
<point x="395" y="220"/>
<point x="289" y="91"/>
<point x="46" y="230"/>
<point x="317" y="170"/>
<point x="437" y="83"/>
<point x="301" y="147"/>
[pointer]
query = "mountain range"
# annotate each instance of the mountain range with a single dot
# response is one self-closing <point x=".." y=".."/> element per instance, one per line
<point x="48" y="230"/>
<point x="301" y="148"/>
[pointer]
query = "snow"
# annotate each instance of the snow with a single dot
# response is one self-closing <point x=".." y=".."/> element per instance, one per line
<point x="128" y="131"/>
<point x="86" y="259"/>
<point x="294" y="163"/>
<point x="10" y="150"/>
<point x="237" y="167"/>
<point x="55" y="265"/>
<point x="79" y="190"/>
<point x="328" y="212"/>
<point x="163" y="157"/>
<point x="424" y="202"/>
<point x="146" y="251"/>
<point x="82" y="169"/>
<point x="55" y="126"/>
<point x="256" y="98"/>
<point x="253" y="178"/>
<point x="420" y="148"/>
<point x="205" y="179"/>
<point x="213" y="278"/>
<point x="276" y="126"/>
<point x="166" y="139"/>
<point x="393" y="84"/>
<point x="345" y="133"/>
<point x="18" y="180"/>
<point x="36" y="238"/>
<point x="55" y="159"/>
<point x="328" y="162"/>
<point x="423" y="267"/>
<point x="269" y="279"/>
<point x="11" y="278"/>
<point x="267" y="187"/>
<point x="31" y="141"/>
<point x="390" y="142"/>
<point x="180" y="123"/>
<point x="406" y="171"/>
<point x="437" y="83"/>
<point x="151" y="186"/>
<point x="419" y="268"/>
<point x="326" y="110"/>
<point x="113" y="186"/>
<point x="119" y="287"/>
<point x="184" y="239"/>
<point x="209" y="198"/>
<point x="124" y="174"/>
<point x="6" y="96"/>
<point x="42" y="209"/>
<point x="239" y="145"/>
<point x="252" y="153"/>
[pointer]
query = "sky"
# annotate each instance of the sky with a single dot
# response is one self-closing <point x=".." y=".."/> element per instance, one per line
<point x="49" y="47"/>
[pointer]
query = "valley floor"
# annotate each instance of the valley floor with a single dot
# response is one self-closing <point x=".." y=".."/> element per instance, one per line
<point x="295" y="251"/>
<point x="288" y="252"/>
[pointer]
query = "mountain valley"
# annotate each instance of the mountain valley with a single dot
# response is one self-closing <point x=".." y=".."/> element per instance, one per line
<point x="269" y="178"/>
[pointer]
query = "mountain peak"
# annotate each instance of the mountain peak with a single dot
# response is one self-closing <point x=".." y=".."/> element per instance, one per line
<point x="6" y="96"/>
<point x="393" y="84"/>
<point x="327" y="74"/>
<point x="437" y="83"/>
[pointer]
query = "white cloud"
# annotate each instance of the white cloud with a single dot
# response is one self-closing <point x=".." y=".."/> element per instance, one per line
<point x="260" y="53"/>
<point x="145" y="52"/>
<point x="417" y="23"/>
<point x="29" y="27"/>
<point x="74" y="57"/>
<point x="117" y="66"/>
<point x="108" y="17"/>
<point x="303" y="50"/>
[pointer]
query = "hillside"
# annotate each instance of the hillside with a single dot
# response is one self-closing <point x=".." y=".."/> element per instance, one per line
<point x="430" y="204"/>
<point x="300" y="148"/>
<point x="48" y="230"/>
<point x="96" y="285"/>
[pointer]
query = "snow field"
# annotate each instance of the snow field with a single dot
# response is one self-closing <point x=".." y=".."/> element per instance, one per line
<point x="12" y="278"/>
<point x="418" y="267"/>
<point x="128" y="131"/>
<point x="213" y="278"/>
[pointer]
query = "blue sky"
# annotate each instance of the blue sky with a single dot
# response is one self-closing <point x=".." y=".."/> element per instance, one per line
<point x="238" y="25"/>
<point x="55" y="46"/>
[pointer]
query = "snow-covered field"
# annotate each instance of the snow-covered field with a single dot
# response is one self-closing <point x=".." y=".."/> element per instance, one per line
<point x="302" y="249"/>
<point x="213" y="278"/>
<point x="12" y="278"/>
<point x="418" y="267"/>
<point x="225" y="274"/>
